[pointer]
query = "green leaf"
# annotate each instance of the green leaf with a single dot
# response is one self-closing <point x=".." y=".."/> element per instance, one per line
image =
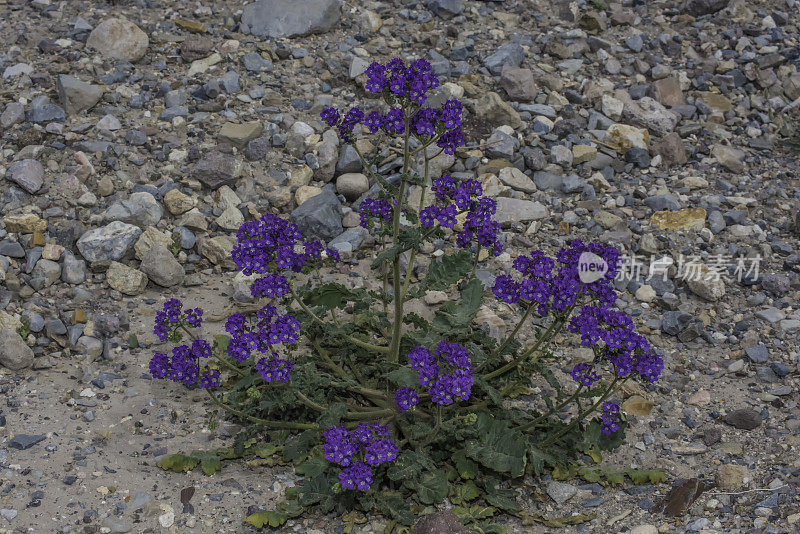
<point x="539" y="459"/>
<point x="332" y="415"/>
<point x="388" y="256"/>
<point x="504" y="499"/>
<point x="265" y="450"/>
<point x="464" y="493"/>
<point x="133" y="341"/>
<point x="221" y="344"/>
<point x="487" y="527"/>
<point x="408" y="465"/>
<point x="331" y="295"/>
<point x="394" y="506"/>
<point x="180" y="463"/>
<point x="447" y="271"/>
<point x="403" y="376"/>
<point x="498" y="447"/>
<point x="432" y="487"/>
<point x="210" y="461"/>
<point x="459" y="314"/>
<point x="296" y="447"/>
<point x="467" y="469"/>
<point x="646" y="476"/>
<point x="316" y="490"/>
<point x="272" y="518"/>
<point x="312" y="467"/>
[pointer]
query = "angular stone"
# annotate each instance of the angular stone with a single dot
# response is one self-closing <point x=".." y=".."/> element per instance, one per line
<point x="516" y="210"/>
<point x="744" y="419"/>
<point x="647" y="113"/>
<point x="560" y="492"/>
<point x="13" y="114"/>
<point x="109" y="242"/>
<point x="441" y="522"/>
<point x="680" y="219"/>
<point x="239" y="135"/>
<point x="623" y="137"/>
<point x="76" y="95"/>
<point x="698" y="8"/>
<point x="729" y="157"/>
<point x="24" y="223"/>
<point x="14" y="353"/>
<point x="196" y="47"/>
<point x="177" y="202"/>
<point x="161" y="267"/>
<point x="27" y="173"/>
<point x="706" y="284"/>
<point x="445" y="9"/>
<point x="583" y="154"/>
<point x="668" y="91"/>
<point x="516" y="179"/>
<point x="126" y="280"/>
<point x="671" y="150"/>
<point x="730" y="477"/>
<point x="217" y="250"/>
<point x="518" y="83"/>
<point x="492" y="109"/>
<point x="141" y="209"/>
<point x="119" y="38"/>
<point x="25" y="441"/>
<point x="320" y="217"/>
<point x="278" y="19"/>
<point x="216" y="169"/>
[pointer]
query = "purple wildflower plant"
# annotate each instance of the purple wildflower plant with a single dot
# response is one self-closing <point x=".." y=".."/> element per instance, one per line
<point x="358" y="451"/>
<point x="610" y="418"/>
<point x="447" y="374"/>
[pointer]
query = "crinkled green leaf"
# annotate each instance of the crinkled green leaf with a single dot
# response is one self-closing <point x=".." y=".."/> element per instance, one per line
<point x="505" y="499"/>
<point x="463" y="493"/>
<point x="408" y="465"/>
<point x="269" y="518"/>
<point x="432" y="487"/>
<point x="467" y="469"/>
<point x="394" y="505"/>
<point x="331" y="295"/>
<point x="316" y="490"/>
<point x="459" y="314"/>
<point x="210" y="461"/>
<point x="403" y="376"/>
<point x="332" y="415"/>
<point x="312" y="467"/>
<point x="556" y="522"/>
<point x="645" y="476"/>
<point x="296" y="447"/>
<point x="447" y="271"/>
<point x="498" y="447"/>
<point x="180" y="463"/>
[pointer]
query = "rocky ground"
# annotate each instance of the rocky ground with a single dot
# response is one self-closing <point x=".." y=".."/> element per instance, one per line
<point x="137" y="135"/>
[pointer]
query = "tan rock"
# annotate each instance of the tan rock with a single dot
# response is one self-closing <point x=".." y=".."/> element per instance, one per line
<point x="624" y="137"/>
<point x="682" y="219"/>
<point x="583" y="154"/>
<point x="239" y="135"/>
<point x="26" y="223"/>
<point x="730" y="477"/>
<point x="668" y="91"/>
<point x="217" y="250"/>
<point x="149" y="238"/>
<point x="607" y="219"/>
<point x="516" y="179"/>
<point x="119" y="38"/>
<point x="494" y="110"/>
<point x="177" y="202"/>
<point x="126" y="280"/>
<point x="301" y="176"/>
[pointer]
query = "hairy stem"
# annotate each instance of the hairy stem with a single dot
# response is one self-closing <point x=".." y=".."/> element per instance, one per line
<point x="260" y="421"/>
<point x="581" y="416"/>
<point x="514" y="332"/>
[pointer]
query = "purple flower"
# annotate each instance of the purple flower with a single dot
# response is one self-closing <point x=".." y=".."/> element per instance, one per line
<point x="405" y="397"/>
<point x="331" y="116"/>
<point x="584" y="373"/>
<point x="447" y="374"/>
<point x="374" y="121"/>
<point x="610" y="418"/>
<point x="338" y="448"/>
<point x="274" y="369"/>
<point x="380" y="451"/>
<point x="209" y="378"/>
<point x="201" y="348"/>
<point x="270" y="285"/>
<point x="374" y="208"/>
<point x="183" y="367"/>
<point x="357" y="476"/>
<point x="376" y="79"/>
<point x="394" y="121"/>
<point x="159" y="365"/>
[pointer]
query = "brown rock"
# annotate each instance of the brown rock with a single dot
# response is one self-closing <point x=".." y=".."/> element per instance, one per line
<point x="745" y="419"/>
<point x="196" y="47"/>
<point x="492" y="109"/>
<point x="119" y="38"/>
<point x="730" y="477"/>
<point x="671" y="150"/>
<point x="518" y="83"/>
<point x="442" y="522"/>
<point x="668" y="91"/>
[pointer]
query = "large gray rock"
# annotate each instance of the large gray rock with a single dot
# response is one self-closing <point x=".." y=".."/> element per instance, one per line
<point x="73" y="270"/>
<point x="42" y="110"/>
<point x="278" y="18"/>
<point x="109" y="242"/>
<point x="76" y="95"/>
<point x="515" y="210"/>
<point x="161" y="267"/>
<point x="441" y="522"/>
<point x="319" y="217"/>
<point x="446" y="9"/>
<point x="13" y="114"/>
<point x="28" y="174"/>
<point x="14" y="353"/>
<point x="698" y="8"/>
<point x="508" y="54"/>
<point x="141" y="209"/>
<point x="216" y="169"/>
<point x="119" y="38"/>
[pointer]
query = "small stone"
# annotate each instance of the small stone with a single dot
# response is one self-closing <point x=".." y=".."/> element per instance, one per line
<point x="583" y="154"/>
<point x="76" y="95"/>
<point x="729" y="157"/>
<point x="239" y="135"/>
<point x="745" y="419"/>
<point x="516" y="210"/>
<point x="492" y="109"/>
<point x="320" y="217"/>
<point x="27" y="173"/>
<point x="352" y="185"/>
<point x="216" y="169"/>
<point x="560" y="492"/>
<point x="441" y="522"/>
<point x="668" y="91"/>
<point x="25" y="441"/>
<point x="706" y="284"/>
<point x="445" y="9"/>
<point x="730" y="477"/>
<point x="161" y="267"/>
<point x="126" y="280"/>
<point x="518" y="83"/>
<point x="698" y="8"/>
<point x="644" y="529"/>
<point x="118" y="38"/>
<point x="297" y="18"/>
<point x="516" y="179"/>
<point x="177" y="202"/>
<point x="700" y="398"/>
<point x="14" y="353"/>
<point x="624" y="137"/>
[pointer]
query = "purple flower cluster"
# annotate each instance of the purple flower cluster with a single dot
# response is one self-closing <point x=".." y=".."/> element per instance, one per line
<point x="464" y="198"/>
<point x="184" y="365"/>
<point x="614" y="332"/>
<point x="268" y="246"/>
<point x="408" y="84"/>
<point x="358" y="450"/>
<point x="610" y="423"/>
<point x="443" y="386"/>
<point x="584" y="373"/>
<point x="171" y="316"/>
<point x="274" y="369"/>
<point x="405" y="398"/>
<point x="372" y="208"/>
<point x="269" y="329"/>
<point x="535" y="286"/>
